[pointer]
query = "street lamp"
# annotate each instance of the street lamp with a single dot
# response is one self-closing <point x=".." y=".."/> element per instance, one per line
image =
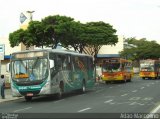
<point x="30" y="13"/>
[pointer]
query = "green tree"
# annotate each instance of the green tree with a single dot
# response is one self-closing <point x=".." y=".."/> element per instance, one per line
<point x="87" y="38"/>
<point x="16" y="37"/>
<point x="60" y="24"/>
<point x="98" y="34"/>
<point x="144" y="49"/>
<point x="36" y="34"/>
<point x="41" y="34"/>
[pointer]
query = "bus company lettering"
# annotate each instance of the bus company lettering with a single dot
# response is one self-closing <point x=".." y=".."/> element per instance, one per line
<point x="29" y="87"/>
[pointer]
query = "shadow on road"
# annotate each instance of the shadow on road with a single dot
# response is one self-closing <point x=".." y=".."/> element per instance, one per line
<point x="51" y="98"/>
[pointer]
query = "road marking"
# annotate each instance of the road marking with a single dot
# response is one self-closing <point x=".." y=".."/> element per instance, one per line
<point x="109" y="97"/>
<point x="110" y="87"/>
<point x="148" y="98"/>
<point x="153" y="112"/>
<point x="120" y="103"/>
<point x="99" y="91"/>
<point x="124" y="94"/>
<point x="22" y="109"/>
<point x="136" y="103"/>
<point x="59" y="100"/>
<point x="119" y="85"/>
<point x="134" y="91"/>
<point x="82" y="110"/>
<point x="108" y="101"/>
<point x="152" y="83"/>
<point x="135" y="98"/>
<point x="148" y="85"/>
<point x="112" y="103"/>
<point x="142" y="87"/>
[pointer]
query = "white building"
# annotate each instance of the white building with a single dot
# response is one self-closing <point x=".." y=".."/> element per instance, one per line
<point x="114" y="49"/>
<point x="25" y="17"/>
<point x="7" y="51"/>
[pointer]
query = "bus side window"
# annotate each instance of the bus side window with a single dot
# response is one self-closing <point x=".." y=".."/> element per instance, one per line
<point x="76" y="63"/>
<point x="65" y="63"/>
<point x="59" y="63"/>
<point x="69" y="63"/>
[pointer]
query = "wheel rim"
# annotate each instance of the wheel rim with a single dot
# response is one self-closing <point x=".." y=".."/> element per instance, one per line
<point x="83" y="88"/>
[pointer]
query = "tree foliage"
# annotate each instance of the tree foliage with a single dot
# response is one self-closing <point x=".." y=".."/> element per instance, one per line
<point x="16" y="37"/>
<point x="144" y="49"/>
<point x="98" y="34"/>
<point x="60" y="25"/>
<point x="50" y="31"/>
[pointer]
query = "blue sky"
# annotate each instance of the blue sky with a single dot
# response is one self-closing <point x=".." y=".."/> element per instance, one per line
<point x="131" y="18"/>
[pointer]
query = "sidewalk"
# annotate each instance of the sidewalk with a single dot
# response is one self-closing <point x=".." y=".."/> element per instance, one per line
<point x="8" y="96"/>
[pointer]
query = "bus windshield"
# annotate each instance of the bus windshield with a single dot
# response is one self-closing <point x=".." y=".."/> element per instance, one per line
<point x="147" y="67"/>
<point x="29" y="69"/>
<point x="111" y="67"/>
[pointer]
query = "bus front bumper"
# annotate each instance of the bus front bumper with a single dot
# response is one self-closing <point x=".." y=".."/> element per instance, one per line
<point x="113" y="78"/>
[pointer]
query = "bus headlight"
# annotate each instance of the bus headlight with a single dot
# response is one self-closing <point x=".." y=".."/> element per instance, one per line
<point x="15" y="92"/>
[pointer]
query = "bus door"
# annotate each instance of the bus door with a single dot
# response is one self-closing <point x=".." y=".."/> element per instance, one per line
<point x="90" y="72"/>
<point x="67" y="72"/>
<point x="64" y="70"/>
<point x="53" y="73"/>
<point x="77" y="71"/>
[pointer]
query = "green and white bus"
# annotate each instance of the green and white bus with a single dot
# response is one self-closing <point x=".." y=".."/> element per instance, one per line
<point x="47" y="72"/>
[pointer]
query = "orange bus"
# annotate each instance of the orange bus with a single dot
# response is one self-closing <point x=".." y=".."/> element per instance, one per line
<point x="116" y="69"/>
<point x="149" y="68"/>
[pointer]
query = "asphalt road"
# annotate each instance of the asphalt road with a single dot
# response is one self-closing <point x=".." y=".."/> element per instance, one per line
<point x="138" y="96"/>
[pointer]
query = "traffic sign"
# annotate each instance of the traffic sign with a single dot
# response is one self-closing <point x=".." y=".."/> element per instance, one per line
<point x="22" y="18"/>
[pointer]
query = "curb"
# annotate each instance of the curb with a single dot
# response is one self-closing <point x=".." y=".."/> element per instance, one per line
<point x="11" y="99"/>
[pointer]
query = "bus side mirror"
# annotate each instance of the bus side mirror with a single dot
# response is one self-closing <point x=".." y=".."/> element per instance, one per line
<point x="51" y="63"/>
<point x="8" y="67"/>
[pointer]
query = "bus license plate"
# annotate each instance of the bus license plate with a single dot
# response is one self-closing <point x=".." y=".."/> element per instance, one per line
<point x="29" y="94"/>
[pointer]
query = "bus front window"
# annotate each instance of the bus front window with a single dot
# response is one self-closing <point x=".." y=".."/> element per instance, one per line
<point x="146" y="67"/>
<point x="111" y="67"/>
<point x="29" y="70"/>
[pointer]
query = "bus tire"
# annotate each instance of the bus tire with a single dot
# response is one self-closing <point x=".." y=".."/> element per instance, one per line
<point x="28" y="98"/>
<point x="83" y="89"/>
<point x="106" y="82"/>
<point x="129" y="80"/>
<point x="59" y="94"/>
<point x="124" y="79"/>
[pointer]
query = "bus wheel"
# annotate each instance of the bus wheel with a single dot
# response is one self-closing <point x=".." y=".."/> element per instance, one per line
<point x="106" y="82"/>
<point x="83" y="90"/>
<point x="28" y="98"/>
<point x="130" y="79"/>
<point x="143" y="78"/>
<point x="59" y="94"/>
<point x="124" y="79"/>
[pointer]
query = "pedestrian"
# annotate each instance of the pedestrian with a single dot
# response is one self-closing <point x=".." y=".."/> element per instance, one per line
<point x="2" y="86"/>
